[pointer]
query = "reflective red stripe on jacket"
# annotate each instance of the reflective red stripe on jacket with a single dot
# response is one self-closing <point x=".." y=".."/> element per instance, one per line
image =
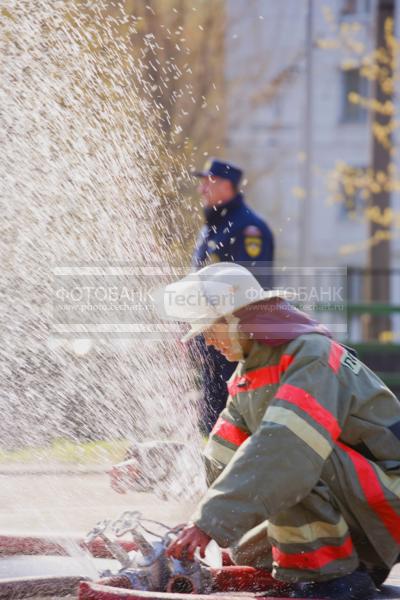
<point x="259" y="377"/>
<point x="299" y="397"/>
<point x="229" y="432"/>
<point x="315" y="559"/>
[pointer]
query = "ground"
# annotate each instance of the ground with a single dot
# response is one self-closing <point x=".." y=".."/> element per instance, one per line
<point x="72" y="503"/>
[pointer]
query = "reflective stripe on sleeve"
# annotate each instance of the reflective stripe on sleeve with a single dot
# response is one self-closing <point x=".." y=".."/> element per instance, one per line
<point x="216" y="451"/>
<point x="229" y="432"/>
<point x="315" y="559"/>
<point x="311" y="406"/>
<point x="391" y="482"/>
<point x="310" y="532"/>
<point x="300" y="427"/>
<point x="259" y="377"/>
<point x="373" y="492"/>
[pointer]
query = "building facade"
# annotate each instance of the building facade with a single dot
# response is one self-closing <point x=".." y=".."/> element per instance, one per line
<point x="268" y="54"/>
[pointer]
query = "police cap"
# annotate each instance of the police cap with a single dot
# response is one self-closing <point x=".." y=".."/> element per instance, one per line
<point x="217" y="168"/>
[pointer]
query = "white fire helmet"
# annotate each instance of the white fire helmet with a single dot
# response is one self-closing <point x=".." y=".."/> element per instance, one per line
<point x="205" y="296"/>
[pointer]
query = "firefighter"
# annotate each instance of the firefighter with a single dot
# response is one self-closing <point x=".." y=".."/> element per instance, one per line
<point x="305" y="458"/>
<point x="232" y="232"/>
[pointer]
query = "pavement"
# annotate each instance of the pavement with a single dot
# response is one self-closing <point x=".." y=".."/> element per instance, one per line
<point x="51" y="468"/>
<point x="62" y="499"/>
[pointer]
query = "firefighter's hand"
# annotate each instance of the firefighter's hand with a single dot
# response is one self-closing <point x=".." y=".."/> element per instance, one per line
<point x="124" y="476"/>
<point x="185" y="544"/>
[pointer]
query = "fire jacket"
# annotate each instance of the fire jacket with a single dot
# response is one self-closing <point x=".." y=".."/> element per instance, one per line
<point x="294" y="411"/>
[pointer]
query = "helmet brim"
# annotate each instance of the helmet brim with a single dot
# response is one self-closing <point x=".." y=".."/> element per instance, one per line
<point x="199" y="328"/>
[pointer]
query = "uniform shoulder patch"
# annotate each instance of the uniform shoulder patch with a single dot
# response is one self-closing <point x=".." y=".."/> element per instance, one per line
<point x="253" y="240"/>
<point x="252" y="231"/>
<point x="350" y="361"/>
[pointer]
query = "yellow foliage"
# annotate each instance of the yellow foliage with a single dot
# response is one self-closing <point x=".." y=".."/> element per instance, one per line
<point x="301" y="156"/>
<point x="299" y="192"/>
<point x="327" y="44"/>
<point x="357" y="47"/>
<point x="349" y="64"/>
<point x="377" y="238"/>
<point x="387" y="337"/>
<point x="328" y="14"/>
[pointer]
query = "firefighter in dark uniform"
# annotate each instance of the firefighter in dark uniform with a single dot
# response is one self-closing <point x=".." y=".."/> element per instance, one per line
<point x="232" y="232"/>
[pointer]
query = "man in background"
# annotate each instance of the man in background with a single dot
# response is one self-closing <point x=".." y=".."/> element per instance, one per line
<point x="232" y="232"/>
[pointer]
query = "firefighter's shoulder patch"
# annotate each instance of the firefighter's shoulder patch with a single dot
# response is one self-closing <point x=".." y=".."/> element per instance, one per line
<point x="252" y="240"/>
<point x="350" y="361"/>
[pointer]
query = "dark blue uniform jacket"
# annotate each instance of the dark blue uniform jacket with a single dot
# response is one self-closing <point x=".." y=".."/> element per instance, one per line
<point x="233" y="232"/>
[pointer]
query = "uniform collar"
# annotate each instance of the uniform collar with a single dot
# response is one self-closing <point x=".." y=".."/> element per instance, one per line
<point x="259" y="353"/>
<point x="220" y="213"/>
<point x="258" y="357"/>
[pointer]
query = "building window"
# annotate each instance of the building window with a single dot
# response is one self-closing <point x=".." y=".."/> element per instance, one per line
<point x="353" y="82"/>
<point x="356" y="7"/>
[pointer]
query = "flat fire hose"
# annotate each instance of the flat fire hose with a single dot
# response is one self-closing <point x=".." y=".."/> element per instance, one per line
<point x="28" y="587"/>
